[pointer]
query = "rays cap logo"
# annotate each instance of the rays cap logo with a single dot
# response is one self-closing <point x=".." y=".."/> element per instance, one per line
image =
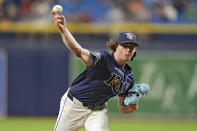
<point x="126" y="37"/>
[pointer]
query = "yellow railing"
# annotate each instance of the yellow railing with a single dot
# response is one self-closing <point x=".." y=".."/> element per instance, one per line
<point x="35" y="27"/>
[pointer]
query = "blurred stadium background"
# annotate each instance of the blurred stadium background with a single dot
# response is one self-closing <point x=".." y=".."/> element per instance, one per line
<point x="36" y="68"/>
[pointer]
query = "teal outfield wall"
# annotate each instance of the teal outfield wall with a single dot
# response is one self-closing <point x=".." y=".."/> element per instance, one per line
<point x="173" y="82"/>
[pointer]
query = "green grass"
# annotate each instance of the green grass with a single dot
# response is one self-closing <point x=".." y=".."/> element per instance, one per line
<point x="47" y="124"/>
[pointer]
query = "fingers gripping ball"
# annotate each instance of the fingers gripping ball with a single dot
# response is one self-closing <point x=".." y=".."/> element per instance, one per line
<point x="139" y="90"/>
<point x="57" y="8"/>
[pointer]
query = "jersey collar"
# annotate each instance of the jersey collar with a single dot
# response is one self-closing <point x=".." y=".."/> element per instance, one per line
<point x="127" y="68"/>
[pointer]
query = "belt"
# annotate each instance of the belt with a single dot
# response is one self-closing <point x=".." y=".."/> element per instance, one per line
<point x="92" y="107"/>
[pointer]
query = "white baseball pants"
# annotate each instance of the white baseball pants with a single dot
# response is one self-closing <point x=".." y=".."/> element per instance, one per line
<point x="73" y="116"/>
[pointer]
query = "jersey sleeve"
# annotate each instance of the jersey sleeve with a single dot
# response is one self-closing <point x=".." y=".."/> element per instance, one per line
<point x="99" y="58"/>
<point x="124" y="94"/>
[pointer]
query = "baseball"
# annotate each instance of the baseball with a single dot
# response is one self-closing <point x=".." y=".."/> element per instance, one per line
<point x="57" y="8"/>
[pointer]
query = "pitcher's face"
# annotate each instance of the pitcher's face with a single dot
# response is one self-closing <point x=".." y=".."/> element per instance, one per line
<point x="126" y="51"/>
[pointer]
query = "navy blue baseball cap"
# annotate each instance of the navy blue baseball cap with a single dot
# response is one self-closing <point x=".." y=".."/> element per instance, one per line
<point x="126" y="37"/>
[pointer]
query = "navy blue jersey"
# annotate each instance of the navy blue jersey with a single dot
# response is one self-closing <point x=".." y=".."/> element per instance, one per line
<point x="103" y="80"/>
